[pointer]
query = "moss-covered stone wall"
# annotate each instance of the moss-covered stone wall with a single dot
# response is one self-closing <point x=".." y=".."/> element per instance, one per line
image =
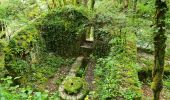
<point x="62" y="30"/>
<point x="18" y="52"/>
<point x="34" y="48"/>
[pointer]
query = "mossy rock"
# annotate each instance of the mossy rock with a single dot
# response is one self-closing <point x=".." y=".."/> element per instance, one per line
<point x="73" y="88"/>
<point x="73" y="85"/>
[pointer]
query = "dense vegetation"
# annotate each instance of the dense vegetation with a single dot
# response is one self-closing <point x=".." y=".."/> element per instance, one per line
<point x="84" y="50"/>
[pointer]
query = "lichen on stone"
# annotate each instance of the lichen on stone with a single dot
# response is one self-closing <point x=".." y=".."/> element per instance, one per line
<point x="73" y="85"/>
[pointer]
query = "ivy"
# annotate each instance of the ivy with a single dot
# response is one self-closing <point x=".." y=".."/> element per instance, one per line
<point x="62" y="30"/>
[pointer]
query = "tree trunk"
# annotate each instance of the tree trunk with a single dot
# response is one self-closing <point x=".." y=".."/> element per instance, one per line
<point x="134" y="5"/>
<point x="159" y="46"/>
<point x="92" y="4"/>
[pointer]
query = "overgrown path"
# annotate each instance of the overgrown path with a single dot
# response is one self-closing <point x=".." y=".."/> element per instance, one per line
<point x="89" y="77"/>
<point x="53" y="83"/>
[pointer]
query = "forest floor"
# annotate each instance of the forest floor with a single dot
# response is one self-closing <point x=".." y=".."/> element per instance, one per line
<point x="53" y="83"/>
<point x="147" y="93"/>
<point x="89" y="76"/>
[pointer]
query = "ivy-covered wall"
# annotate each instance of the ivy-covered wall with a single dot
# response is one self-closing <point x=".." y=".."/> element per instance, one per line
<point x="101" y="43"/>
<point x="29" y="50"/>
<point x="26" y="58"/>
<point x="62" y="30"/>
<point x="18" y="52"/>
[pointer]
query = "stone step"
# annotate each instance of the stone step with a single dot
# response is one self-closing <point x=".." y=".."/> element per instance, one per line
<point x="76" y="66"/>
<point x="89" y="41"/>
<point x="87" y="45"/>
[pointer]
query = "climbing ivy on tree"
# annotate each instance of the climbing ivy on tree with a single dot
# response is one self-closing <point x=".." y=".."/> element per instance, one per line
<point x="159" y="46"/>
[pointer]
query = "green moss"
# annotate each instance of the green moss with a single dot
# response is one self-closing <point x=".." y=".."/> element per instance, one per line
<point x="117" y="74"/>
<point x="73" y="84"/>
<point x="62" y="30"/>
<point x="101" y="43"/>
<point x="157" y="84"/>
<point x="167" y="84"/>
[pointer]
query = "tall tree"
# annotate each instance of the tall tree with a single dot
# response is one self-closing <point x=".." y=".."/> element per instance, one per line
<point x="134" y="5"/>
<point x="159" y="46"/>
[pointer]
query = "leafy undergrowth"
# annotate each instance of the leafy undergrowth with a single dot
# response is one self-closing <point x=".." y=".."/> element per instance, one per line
<point x="119" y="80"/>
<point x="116" y="75"/>
<point x="54" y="82"/>
<point x="146" y="62"/>
<point x="38" y="85"/>
<point x="42" y="71"/>
<point x="8" y="91"/>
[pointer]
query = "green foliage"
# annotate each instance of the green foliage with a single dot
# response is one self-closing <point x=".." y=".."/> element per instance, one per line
<point x="118" y="80"/>
<point x="146" y="63"/>
<point x="18" y="51"/>
<point x="146" y="9"/>
<point x="59" y="81"/>
<point x="2" y="45"/>
<point x="9" y="9"/>
<point x="55" y="96"/>
<point x="42" y="71"/>
<point x="81" y="72"/>
<point x="62" y="30"/>
<point x="9" y="92"/>
<point x="48" y="66"/>
<point x="167" y="84"/>
<point x="25" y="54"/>
<point x="105" y="20"/>
<point x="118" y="71"/>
